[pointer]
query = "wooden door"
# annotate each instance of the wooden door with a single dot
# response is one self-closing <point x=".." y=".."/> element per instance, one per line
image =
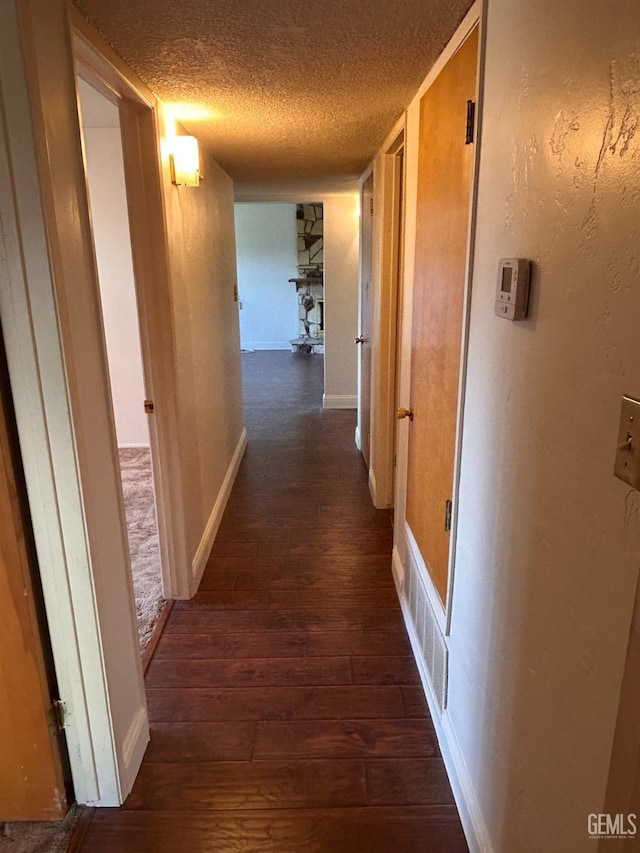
<point x="445" y="174"/>
<point x="31" y="782"/>
<point x="366" y="219"/>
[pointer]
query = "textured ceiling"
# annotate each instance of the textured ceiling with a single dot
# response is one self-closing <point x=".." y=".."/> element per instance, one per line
<point x="282" y="92"/>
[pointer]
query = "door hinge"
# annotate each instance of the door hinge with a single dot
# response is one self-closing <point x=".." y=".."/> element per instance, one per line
<point x="448" y="509"/>
<point x="371" y="206"/>
<point x="149" y="407"/>
<point x="471" y="121"/>
<point x="56" y="717"/>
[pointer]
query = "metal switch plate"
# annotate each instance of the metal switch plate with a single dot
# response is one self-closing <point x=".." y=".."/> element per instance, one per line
<point x="627" y="465"/>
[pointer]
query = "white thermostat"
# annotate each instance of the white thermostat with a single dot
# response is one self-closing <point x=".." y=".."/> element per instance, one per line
<point x="512" y="291"/>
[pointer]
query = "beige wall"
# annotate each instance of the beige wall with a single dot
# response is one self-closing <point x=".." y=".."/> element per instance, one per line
<point x="548" y="539"/>
<point x="341" y="251"/>
<point x="202" y="258"/>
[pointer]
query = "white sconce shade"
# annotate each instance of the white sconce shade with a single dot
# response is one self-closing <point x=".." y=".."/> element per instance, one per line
<point x="185" y="161"/>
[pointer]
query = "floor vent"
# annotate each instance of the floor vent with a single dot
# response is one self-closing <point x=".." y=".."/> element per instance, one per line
<point x="428" y="632"/>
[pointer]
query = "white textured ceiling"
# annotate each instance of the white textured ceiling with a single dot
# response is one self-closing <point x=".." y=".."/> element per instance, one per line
<point x="284" y="93"/>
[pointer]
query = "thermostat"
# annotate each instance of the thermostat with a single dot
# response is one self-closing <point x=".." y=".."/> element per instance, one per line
<point x="512" y="291"/>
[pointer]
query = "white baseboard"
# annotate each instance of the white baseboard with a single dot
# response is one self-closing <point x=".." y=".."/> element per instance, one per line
<point x="135" y="744"/>
<point x="373" y="489"/>
<point x="473" y="824"/>
<point x="266" y="345"/>
<point x="339" y="401"/>
<point x="209" y="535"/>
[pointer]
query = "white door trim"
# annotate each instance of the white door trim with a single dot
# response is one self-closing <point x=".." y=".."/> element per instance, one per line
<point x="29" y="310"/>
<point x="96" y="63"/>
<point x="49" y="303"/>
<point x="385" y="297"/>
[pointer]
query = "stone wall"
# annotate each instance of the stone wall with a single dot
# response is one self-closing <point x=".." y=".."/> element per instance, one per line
<point x="310" y="240"/>
<point x="309" y="219"/>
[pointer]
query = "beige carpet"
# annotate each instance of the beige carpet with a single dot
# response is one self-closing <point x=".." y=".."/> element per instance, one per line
<point x="139" y="505"/>
<point x="39" y="837"/>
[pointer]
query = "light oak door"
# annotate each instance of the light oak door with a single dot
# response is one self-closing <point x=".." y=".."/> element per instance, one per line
<point x="445" y="175"/>
<point x="31" y="781"/>
<point x="364" y="339"/>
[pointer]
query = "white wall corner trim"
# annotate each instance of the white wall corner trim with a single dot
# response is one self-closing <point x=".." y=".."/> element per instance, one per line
<point x="211" y="529"/>
<point x="339" y="401"/>
<point x="473" y="823"/>
<point x="357" y="438"/>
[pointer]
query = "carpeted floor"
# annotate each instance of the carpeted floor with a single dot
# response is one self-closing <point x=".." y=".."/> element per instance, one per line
<point x="39" y="837"/>
<point x="139" y="505"/>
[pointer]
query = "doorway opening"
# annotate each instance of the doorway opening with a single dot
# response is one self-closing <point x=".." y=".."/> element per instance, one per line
<point x="280" y="261"/>
<point x="105" y="174"/>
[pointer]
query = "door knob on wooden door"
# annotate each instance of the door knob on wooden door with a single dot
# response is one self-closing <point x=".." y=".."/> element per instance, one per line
<point x="404" y="413"/>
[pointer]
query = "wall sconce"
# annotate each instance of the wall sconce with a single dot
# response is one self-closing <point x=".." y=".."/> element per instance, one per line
<point x="185" y="161"/>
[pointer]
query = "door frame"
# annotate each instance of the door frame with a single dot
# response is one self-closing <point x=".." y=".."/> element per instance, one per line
<point x="386" y="296"/>
<point x="368" y="175"/>
<point x="138" y="123"/>
<point x="404" y="542"/>
<point x="361" y="183"/>
<point x="49" y="302"/>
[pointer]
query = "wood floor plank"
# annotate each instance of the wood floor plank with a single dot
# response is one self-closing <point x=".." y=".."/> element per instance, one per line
<point x="414" y="701"/>
<point x="217" y="786"/>
<point x="252" y="672"/>
<point x="212" y="646"/>
<point x="353" y="546"/>
<point x="302" y="599"/>
<point x="344" y="739"/>
<point x="421" y="829"/>
<point x="234" y="549"/>
<point x="189" y="742"/>
<point x="356" y="643"/>
<point x="201" y="619"/>
<point x="408" y="782"/>
<point x="226" y="599"/>
<point x="382" y="669"/>
<point x="324" y="576"/>
<point x="275" y="703"/>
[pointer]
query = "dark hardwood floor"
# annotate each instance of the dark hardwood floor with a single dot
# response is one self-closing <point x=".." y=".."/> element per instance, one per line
<point x="286" y="710"/>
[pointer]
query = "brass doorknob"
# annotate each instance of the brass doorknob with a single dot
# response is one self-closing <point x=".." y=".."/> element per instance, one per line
<point x="405" y="413"/>
<point x="358" y="340"/>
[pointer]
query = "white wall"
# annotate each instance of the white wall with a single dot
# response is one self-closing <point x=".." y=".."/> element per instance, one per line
<point x="266" y="247"/>
<point x="341" y="252"/>
<point x="103" y="151"/>
<point x="548" y="539"/>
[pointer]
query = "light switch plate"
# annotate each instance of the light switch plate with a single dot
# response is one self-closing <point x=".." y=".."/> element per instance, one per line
<point x="627" y="465"/>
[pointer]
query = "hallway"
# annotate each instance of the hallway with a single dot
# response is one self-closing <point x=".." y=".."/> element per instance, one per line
<point x="286" y="709"/>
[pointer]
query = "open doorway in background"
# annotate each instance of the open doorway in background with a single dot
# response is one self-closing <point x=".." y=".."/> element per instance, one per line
<point x="100" y="121"/>
<point x="280" y="256"/>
